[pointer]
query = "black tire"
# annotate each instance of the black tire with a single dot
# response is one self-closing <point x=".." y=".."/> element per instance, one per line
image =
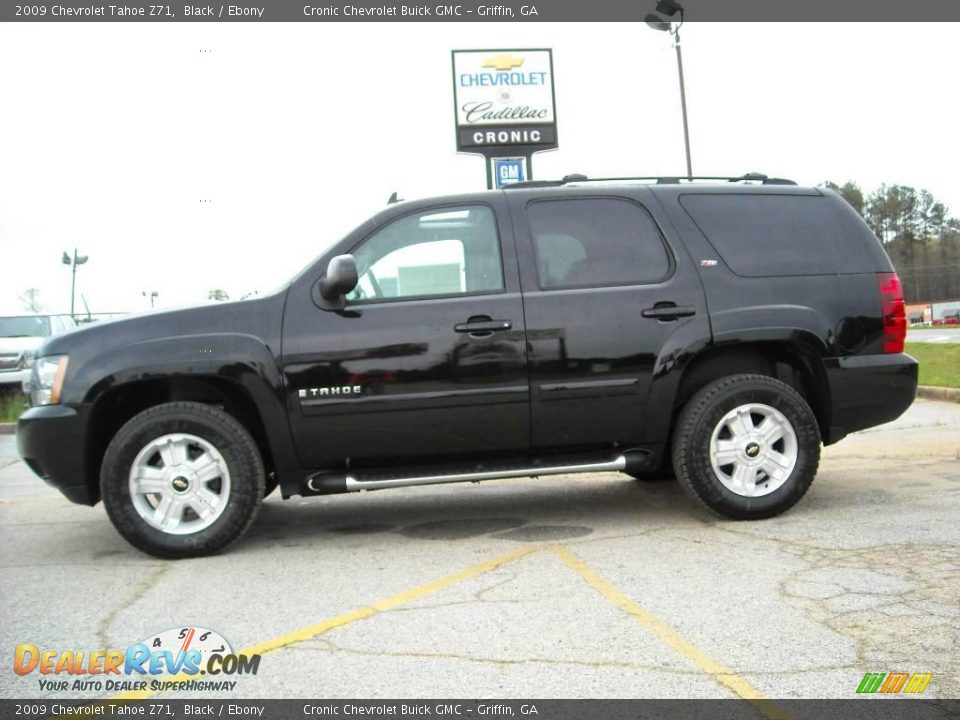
<point x="702" y="416"/>
<point x="236" y="448"/>
<point x="664" y="473"/>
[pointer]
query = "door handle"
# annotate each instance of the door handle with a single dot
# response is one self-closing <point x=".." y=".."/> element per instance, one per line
<point x="668" y="311"/>
<point x="483" y="326"/>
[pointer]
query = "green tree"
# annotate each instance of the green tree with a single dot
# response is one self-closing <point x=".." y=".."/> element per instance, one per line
<point x="850" y="192"/>
<point x="918" y="233"/>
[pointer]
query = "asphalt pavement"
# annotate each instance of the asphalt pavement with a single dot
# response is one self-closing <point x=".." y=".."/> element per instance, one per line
<point x="572" y="586"/>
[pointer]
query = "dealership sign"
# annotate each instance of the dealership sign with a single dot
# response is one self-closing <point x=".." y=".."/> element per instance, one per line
<point x="504" y="99"/>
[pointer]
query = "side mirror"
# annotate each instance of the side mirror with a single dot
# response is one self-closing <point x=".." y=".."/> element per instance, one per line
<point x="340" y="279"/>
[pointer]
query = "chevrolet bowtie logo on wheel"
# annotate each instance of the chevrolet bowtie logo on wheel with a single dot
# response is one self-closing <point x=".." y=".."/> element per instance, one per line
<point x="892" y="683"/>
<point x="503" y="63"/>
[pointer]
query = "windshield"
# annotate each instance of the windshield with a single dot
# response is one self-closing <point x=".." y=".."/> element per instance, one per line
<point x="25" y="326"/>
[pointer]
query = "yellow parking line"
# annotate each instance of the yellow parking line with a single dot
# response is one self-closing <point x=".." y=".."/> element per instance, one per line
<point x="311" y="631"/>
<point x="657" y="627"/>
<point x="666" y="634"/>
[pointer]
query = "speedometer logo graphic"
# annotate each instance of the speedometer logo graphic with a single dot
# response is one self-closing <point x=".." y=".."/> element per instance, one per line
<point x="184" y="639"/>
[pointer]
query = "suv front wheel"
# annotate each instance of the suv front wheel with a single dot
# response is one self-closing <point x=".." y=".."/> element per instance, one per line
<point x="746" y="446"/>
<point x="182" y="479"/>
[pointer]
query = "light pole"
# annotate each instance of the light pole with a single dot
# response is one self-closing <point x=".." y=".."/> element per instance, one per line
<point x="73" y="262"/>
<point x="153" y="294"/>
<point x="671" y="8"/>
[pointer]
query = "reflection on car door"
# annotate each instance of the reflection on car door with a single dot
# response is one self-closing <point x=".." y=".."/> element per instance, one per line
<point x="603" y="293"/>
<point x="429" y="356"/>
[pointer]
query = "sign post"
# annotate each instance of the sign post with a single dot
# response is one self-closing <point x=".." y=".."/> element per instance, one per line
<point x="505" y="109"/>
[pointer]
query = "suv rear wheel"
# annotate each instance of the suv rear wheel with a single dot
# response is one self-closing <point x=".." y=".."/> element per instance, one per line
<point x="182" y="480"/>
<point x="746" y="446"/>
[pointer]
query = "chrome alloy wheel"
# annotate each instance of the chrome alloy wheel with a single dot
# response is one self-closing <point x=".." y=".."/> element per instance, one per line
<point x="179" y="484"/>
<point x="753" y="450"/>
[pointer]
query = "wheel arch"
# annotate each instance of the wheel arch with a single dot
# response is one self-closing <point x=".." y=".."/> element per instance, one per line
<point x="115" y="406"/>
<point x="792" y="360"/>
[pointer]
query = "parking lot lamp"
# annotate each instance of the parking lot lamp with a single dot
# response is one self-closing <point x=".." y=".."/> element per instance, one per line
<point x="671" y="8"/>
<point x="73" y="262"/>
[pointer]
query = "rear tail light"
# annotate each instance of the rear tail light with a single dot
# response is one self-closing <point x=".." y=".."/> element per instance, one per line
<point x="894" y="312"/>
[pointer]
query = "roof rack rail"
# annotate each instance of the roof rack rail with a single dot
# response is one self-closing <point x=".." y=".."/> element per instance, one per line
<point x="659" y="180"/>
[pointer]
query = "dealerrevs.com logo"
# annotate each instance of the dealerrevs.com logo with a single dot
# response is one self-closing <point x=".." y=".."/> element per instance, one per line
<point x="894" y="683"/>
<point x="174" y="659"/>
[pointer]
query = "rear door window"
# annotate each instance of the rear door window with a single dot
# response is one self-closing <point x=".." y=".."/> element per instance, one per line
<point x="593" y="242"/>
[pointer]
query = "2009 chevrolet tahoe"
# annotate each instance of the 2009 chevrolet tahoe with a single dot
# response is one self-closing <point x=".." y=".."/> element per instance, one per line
<point x="721" y="330"/>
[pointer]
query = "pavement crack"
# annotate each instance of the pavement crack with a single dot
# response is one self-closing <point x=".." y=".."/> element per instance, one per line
<point x="137" y="592"/>
<point x="597" y="538"/>
<point x="327" y="645"/>
<point x="479" y="594"/>
<point x="330" y="646"/>
<point x="477" y="597"/>
<point x="892" y="601"/>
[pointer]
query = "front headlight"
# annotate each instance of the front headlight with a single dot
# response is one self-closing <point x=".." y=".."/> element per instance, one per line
<point x="47" y="379"/>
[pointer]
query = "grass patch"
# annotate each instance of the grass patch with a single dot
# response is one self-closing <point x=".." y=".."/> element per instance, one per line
<point x="939" y="363"/>
<point x="12" y="405"/>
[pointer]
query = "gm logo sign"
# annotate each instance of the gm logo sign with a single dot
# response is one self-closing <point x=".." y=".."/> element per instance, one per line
<point x="507" y="171"/>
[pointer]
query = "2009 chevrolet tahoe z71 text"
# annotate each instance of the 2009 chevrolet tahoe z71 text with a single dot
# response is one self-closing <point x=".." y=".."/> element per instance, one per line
<point x="725" y="328"/>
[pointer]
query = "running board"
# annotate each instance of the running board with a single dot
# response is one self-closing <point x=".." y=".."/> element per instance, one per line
<point x="329" y="482"/>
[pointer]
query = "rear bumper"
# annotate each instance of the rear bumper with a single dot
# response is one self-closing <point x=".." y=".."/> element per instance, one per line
<point x="51" y="440"/>
<point x="868" y="390"/>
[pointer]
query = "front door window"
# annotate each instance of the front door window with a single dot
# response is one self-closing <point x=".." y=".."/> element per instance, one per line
<point x="447" y="252"/>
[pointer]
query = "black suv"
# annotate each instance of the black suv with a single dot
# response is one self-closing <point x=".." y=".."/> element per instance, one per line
<point x="722" y="330"/>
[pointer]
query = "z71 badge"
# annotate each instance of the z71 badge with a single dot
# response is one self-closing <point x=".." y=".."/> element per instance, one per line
<point x="328" y="391"/>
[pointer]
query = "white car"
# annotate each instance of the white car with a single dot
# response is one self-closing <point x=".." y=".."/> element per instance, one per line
<point x="20" y="336"/>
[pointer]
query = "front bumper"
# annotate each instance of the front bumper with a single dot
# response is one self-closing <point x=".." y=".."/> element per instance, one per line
<point x="19" y="377"/>
<point x="868" y="390"/>
<point x="51" y="439"/>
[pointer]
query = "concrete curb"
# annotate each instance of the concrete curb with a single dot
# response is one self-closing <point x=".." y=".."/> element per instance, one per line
<point x="939" y="393"/>
<point x="8" y="428"/>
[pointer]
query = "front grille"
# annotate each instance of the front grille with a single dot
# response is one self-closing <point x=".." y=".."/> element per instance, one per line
<point x="9" y="361"/>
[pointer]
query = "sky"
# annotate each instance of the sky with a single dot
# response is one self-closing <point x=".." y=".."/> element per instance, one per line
<point x="182" y="158"/>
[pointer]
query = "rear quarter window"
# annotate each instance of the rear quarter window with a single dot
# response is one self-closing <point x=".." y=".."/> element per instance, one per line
<point x="772" y="235"/>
